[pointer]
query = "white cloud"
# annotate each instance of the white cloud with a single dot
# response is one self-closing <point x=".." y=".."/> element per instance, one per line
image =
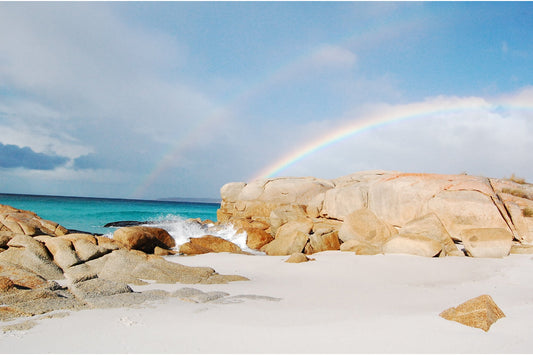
<point x="480" y="136"/>
<point x="333" y="56"/>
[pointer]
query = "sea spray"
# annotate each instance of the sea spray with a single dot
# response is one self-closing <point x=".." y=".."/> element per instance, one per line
<point x="182" y="230"/>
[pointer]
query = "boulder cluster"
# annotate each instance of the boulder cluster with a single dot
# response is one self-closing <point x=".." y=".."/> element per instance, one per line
<point x="43" y="267"/>
<point x="375" y="212"/>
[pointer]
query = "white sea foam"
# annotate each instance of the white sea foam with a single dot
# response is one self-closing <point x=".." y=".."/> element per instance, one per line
<point x="182" y="230"/>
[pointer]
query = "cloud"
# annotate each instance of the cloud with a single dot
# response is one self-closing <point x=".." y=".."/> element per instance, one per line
<point x="333" y="56"/>
<point x="487" y="136"/>
<point x="12" y="156"/>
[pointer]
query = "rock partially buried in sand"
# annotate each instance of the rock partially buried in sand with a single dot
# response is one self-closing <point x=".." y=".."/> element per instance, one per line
<point x="298" y="258"/>
<point x="209" y="244"/>
<point x="412" y="244"/>
<point x="487" y="242"/>
<point x="480" y="312"/>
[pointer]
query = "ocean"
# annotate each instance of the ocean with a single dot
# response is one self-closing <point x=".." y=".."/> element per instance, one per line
<point x="91" y="214"/>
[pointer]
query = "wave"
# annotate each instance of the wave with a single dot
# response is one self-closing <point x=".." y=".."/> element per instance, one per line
<point x="182" y="230"/>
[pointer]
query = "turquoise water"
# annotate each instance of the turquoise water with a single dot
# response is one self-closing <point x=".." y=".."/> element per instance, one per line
<point x="91" y="214"/>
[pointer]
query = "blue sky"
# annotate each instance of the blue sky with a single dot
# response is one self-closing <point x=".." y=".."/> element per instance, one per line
<point x="161" y="99"/>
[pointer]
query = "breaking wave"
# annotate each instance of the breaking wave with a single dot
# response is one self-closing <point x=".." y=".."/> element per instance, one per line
<point x="182" y="229"/>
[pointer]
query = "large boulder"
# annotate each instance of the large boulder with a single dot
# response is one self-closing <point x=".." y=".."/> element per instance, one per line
<point x="133" y="267"/>
<point x="257" y="238"/>
<point x="430" y="226"/>
<point x="360" y="247"/>
<point x="21" y="277"/>
<point x="144" y="238"/>
<point x="487" y="242"/>
<point x="62" y="250"/>
<point x="323" y="242"/>
<point x="29" y="254"/>
<point x="86" y="247"/>
<point x="290" y="238"/>
<point x="364" y="225"/>
<point x="413" y="245"/>
<point x="480" y="312"/>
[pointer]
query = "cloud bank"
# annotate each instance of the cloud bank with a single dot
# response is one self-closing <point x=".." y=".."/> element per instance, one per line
<point x="12" y="156"/>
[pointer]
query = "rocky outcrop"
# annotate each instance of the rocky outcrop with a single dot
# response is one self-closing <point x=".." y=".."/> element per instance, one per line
<point x="378" y="209"/>
<point x="25" y="222"/>
<point x="95" y="267"/>
<point x="480" y="312"/>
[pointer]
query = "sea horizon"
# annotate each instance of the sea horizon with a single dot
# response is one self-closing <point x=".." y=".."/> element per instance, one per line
<point x="201" y="200"/>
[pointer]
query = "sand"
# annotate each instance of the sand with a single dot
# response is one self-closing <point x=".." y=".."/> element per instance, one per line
<point x="339" y="303"/>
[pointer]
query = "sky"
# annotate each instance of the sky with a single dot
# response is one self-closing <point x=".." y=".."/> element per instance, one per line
<point x="174" y="99"/>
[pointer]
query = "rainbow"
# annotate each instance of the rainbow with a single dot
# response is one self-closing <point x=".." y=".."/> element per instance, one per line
<point x="283" y="73"/>
<point x="390" y="115"/>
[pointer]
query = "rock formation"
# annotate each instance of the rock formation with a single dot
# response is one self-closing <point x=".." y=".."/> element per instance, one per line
<point x="34" y="253"/>
<point x="374" y="212"/>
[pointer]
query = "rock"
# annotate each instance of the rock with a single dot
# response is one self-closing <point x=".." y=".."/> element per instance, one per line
<point x="107" y="243"/>
<point x="27" y="223"/>
<point x="33" y="245"/>
<point x="360" y="247"/>
<point x="124" y="224"/>
<point x="287" y="244"/>
<point x="37" y="301"/>
<point x="98" y="287"/>
<point x="144" y="238"/>
<point x="6" y="284"/>
<point x="285" y="214"/>
<point x="86" y="246"/>
<point x="290" y="238"/>
<point x="193" y="249"/>
<point x="209" y="244"/>
<point x="241" y="223"/>
<point x="257" y="238"/>
<point x="29" y="254"/>
<point x="230" y="192"/>
<point x="487" y="242"/>
<point x="323" y="242"/>
<point x="462" y="210"/>
<point x="436" y="206"/>
<point x="521" y="249"/>
<point x="297" y="258"/>
<point x="197" y="296"/>
<point x="480" y="312"/>
<point x="364" y="225"/>
<point x="431" y="227"/>
<point x="81" y="272"/>
<point x="21" y="277"/>
<point x="325" y="226"/>
<point x="5" y="237"/>
<point x="163" y="252"/>
<point x="132" y="266"/>
<point x="413" y="245"/>
<point x="62" y="251"/>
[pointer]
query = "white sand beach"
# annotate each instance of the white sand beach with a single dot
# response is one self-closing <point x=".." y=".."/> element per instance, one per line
<point x="339" y="303"/>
